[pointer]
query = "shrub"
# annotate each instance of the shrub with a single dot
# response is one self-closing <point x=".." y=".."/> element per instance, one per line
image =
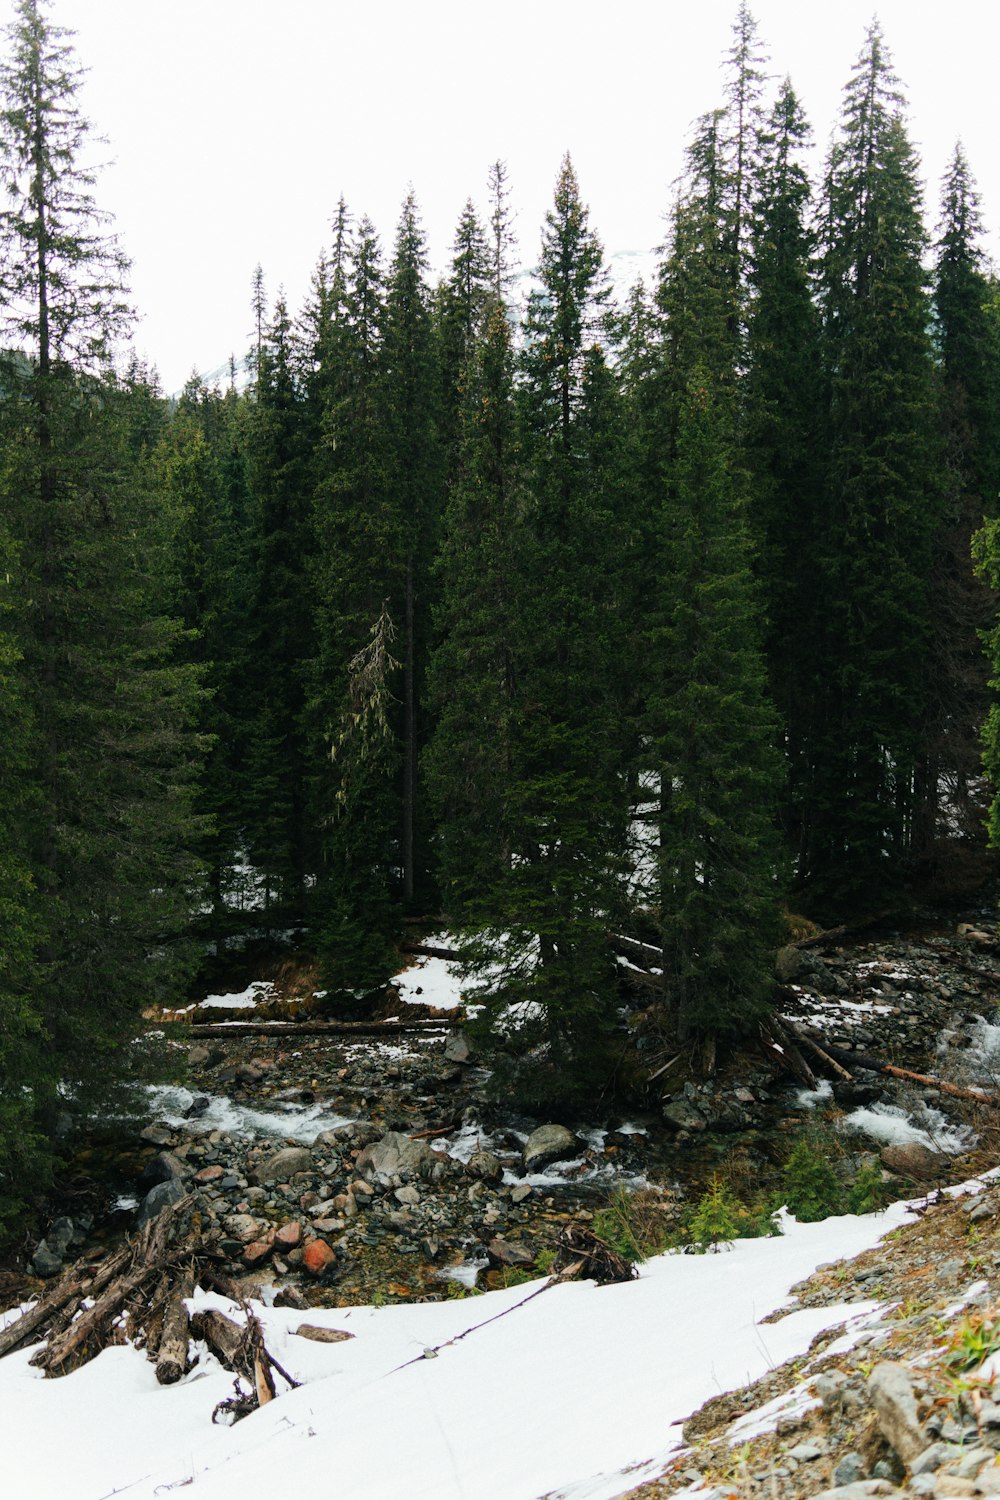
<point x="632" y="1224"/>
<point x="809" y="1185"/>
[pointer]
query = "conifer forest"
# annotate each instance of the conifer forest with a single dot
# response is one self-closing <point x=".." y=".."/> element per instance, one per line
<point x="488" y="600"/>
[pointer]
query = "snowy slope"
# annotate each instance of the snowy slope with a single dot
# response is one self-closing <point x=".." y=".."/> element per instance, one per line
<point x="561" y="1390"/>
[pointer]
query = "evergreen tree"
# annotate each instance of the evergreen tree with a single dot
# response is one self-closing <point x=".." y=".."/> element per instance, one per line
<point x="25" y="1077"/>
<point x="743" y="125"/>
<point x="280" y="841"/>
<point x="413" y="478"/>
<point x="871" y="790"/>
<point x="355" y="582"/>
<point x="473" y="673"/>
<point x="461" y="305"/>
<point x="565" y="816"/>
<point x="962" y="607"/>
<point x="110" y="714"/>
<point x="502" y="239"/>
<point x="783" y="425"/>
<point x="713" y="732"/>
<point x="199" y="464"/>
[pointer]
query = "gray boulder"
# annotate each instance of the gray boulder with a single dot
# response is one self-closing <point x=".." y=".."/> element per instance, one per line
<point x="283" y="1165"/>
<point x="795" y="965"/>
<point x="682" y="1114"/>
<point x="485" y="1166"/>
<point x="396" y="1155"/>
<point x="891" y="1392"/>
<point x="457" y="1049"/>
<point x="45" y="1262"/>
<point x="161" y="1168"/>
<point x="158" y="1198"/>
<point x="547" y="1144"/>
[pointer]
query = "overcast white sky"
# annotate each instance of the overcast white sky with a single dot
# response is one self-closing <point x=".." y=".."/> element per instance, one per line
<point x="234" y="125"/>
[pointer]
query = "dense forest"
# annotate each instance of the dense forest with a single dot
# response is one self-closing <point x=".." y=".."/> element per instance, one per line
<point x="546" y="614"/>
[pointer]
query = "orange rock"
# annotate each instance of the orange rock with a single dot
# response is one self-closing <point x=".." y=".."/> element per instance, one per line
<point x="317" y="1257"/>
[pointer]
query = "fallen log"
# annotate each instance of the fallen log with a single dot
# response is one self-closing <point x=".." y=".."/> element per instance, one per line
<point x="314" y="1028"/>
<point x="643" y="953"/>
<point x="988" y="975"/>
<point x="807" y="1040"/>
<point x="54" y="1355"/>
<point x="223" y="1337"/>
<point x="429" y="950"/>
<point x="171" y="1356"/>
<point x="869" y="1064"/>
<point x="241" y="1348"/>
<point x="952" y="1089"/>
<point x="74" y="1285"/>
<point x="39" y="1314"/>
<point x="848" y="929"/>
<point x="317" y="1028"/>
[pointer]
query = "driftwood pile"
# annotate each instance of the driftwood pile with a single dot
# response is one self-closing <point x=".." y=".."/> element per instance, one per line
<point x="584" y="1255"/>
<point x="138" y="1295"/>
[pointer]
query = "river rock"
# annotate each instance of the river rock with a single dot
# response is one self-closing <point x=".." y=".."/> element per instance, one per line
<point x="243" y="1226"/>
<point x="204" y="1057"/>
<point x="913" y="1159"/>
<point x="45" y="1262"/>
<point x="682" y="1114"/>
<point x="160" y="1168"/>
<point x="258" y="1250"/>
<point x="158" y="1197"/>
<point x="506" y="1254"/>
<point x="795" y="965"/>
<point x="283" y="1165"/>
<point x="317" y="1257"/>
<point x="458" y="1049"/>
<point x="485" y="1166"/>
<point x="547" y="1144"/>
<point x="396" y="1155"/>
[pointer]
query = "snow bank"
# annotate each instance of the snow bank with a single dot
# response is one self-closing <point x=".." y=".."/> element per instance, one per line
<point x="561" y="1390"/>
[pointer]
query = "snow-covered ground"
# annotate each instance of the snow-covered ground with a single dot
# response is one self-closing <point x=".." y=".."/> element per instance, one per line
<point x="575" y="1391"/>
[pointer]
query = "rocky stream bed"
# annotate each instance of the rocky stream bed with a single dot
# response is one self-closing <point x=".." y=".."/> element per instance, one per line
<point x="342" y="1170"/>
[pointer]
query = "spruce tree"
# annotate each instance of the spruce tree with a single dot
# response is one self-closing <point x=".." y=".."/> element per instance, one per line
<point x="781" y="444"/>
<point x="199" y="465"/>
<point x="110" y="712"/>
<point x="413" y="473"/>
<point x="281" y="844"/>
<point x="355" y="580"/>
<point x="26" y="1076"/>
<point x="713" y="733"/>
<point x="962" y="607"/>
<point x="871" y="786"/>
<point x="461" y="304"/>
<point x="473" y="673"/>
<point x="565" y="815"/>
